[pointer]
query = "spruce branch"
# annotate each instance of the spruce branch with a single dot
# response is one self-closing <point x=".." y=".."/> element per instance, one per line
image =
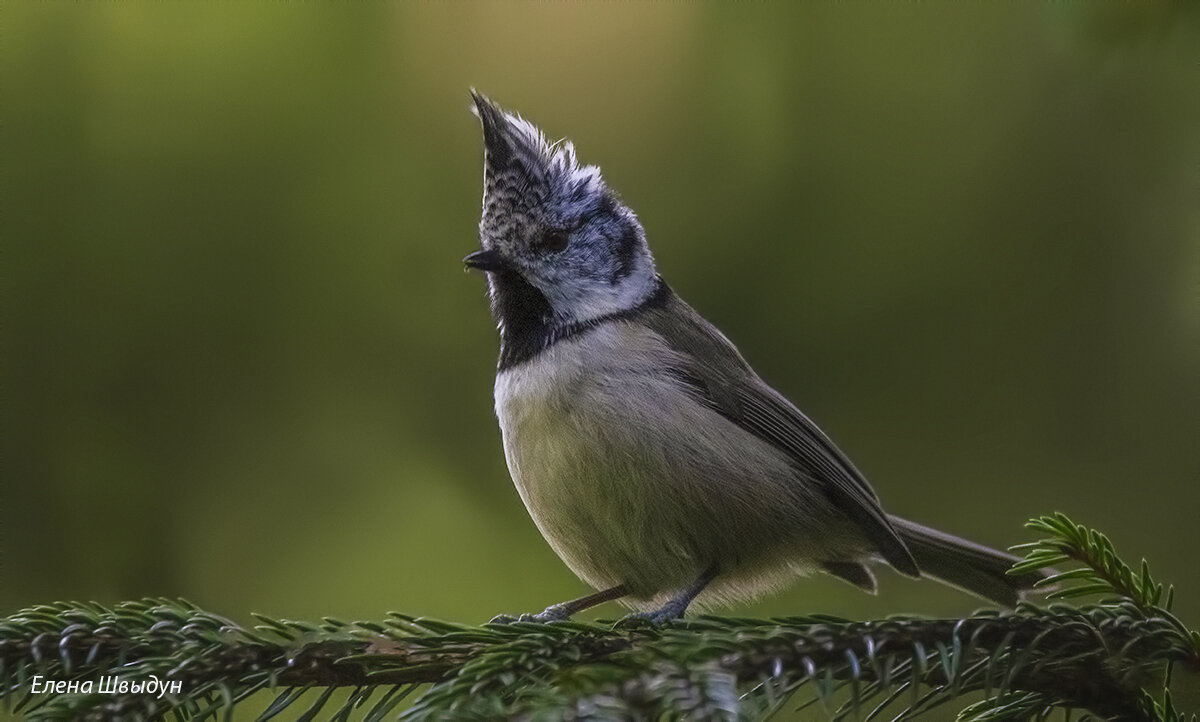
<point x="1103" y="572"/>
<point x="1108" y="659"/>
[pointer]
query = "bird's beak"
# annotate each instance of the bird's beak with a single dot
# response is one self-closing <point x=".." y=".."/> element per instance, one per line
<point x="489" y="261"/>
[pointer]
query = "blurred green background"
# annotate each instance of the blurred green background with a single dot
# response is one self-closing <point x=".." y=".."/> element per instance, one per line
<point x="243" y="364"/>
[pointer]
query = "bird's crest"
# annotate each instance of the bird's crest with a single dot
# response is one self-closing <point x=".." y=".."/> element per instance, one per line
<point x="517" y="154"/>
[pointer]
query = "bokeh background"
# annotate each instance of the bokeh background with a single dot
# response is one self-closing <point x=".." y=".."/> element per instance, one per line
<point x="242" y="362"/>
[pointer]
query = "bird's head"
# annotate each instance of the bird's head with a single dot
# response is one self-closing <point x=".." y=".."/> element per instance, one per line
<point x="557" y="244"/>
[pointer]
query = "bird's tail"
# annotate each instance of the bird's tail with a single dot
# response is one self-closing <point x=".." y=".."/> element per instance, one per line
<point x="966" y="565"/>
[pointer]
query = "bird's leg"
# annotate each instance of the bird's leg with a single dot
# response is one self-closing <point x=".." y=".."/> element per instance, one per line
<point x="675" y="608"/>
<point x="564" y="610"/>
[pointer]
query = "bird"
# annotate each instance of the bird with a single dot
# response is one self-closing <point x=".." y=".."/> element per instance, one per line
<point x="660" y="468"/>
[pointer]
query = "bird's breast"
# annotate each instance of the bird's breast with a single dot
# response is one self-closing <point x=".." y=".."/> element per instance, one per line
<point x="556" y="413"/>
<point x="587" y="455"/>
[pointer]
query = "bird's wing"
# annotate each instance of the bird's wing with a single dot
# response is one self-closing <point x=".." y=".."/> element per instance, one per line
<point x="725" y="382"/>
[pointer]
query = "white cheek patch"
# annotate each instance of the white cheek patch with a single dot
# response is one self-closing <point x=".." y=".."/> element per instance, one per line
<point x="581" y="298"/>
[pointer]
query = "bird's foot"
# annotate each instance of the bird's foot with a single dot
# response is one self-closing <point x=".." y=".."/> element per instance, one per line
<point x="675" y="607"/>
<point x="553" y="613"/>
<point x="669" y="612"/>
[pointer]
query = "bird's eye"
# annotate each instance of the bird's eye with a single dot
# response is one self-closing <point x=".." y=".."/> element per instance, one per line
<point x="552" y="241"/>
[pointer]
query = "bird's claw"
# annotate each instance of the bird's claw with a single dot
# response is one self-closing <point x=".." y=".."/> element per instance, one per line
<point x="550" y="614"/>
<point x="656" y="618"/>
